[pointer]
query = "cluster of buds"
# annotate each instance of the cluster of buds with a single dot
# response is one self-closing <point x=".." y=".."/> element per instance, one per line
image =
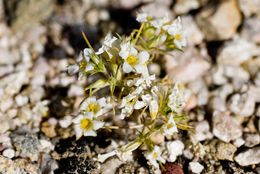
<point x="122" y="63"/>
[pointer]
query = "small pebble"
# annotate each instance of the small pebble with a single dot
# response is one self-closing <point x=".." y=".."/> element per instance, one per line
<point x="9" y="153"/>
<point x="21" y="100"/>
<point x="175" y="148"/>
<point x="196" y="167"/>
<point x="65" y="122"/>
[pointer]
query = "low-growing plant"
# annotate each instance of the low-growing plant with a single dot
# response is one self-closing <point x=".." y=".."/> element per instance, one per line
<point x="154" y="105"/>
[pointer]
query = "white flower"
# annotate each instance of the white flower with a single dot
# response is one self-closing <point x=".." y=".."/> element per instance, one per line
<point x="83" y="63"/>
<point x="175" y="29"/>
<point x="152" y="101"/>
<point x="93" y="105"/>
<point x="158" y="23"/>
<point x="134" y="61"/>
<point x="124" y="153"/>
<point x="144" y="82"/>
<point x="176" y="98"/>
<point x="107" y="45"/>
<point x="103" y="157"/>
<point x="170" y="126"/>
<point x="86" y="125"/>
<point x="155" y="156"/>
<point x="129" y="103"/>
<point x="143" y="17"/>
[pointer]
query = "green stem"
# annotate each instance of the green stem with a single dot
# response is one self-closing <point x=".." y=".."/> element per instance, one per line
<point x="138" y="34"/>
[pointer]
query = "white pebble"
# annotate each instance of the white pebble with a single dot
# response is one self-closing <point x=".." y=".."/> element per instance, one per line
<point x="175" y="148"/>
<point x="239" y="142"/>
<point x="65" y="122"/>
<point x="104" y="15"/>
<point x="188" y="154"/>
<point x="46" y="146"/>
<point x="21" y="100"/>
<point x="52" y="121"/>
<point x="9" y="153"/>
<point x="196" y="167"/>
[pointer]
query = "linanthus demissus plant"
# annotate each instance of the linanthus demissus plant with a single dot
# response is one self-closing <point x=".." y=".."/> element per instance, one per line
<point x="121" y="65"/>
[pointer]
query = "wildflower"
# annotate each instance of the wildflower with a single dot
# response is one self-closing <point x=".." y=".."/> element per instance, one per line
<point x="176" y="98"/>
<point x="143" y="17"/>
<point x="144" y="82"/>
<point x="134" y="61"/>
<point x="93" y="105"/>
<point x="155" y="156"/>
<point x="158" y="23"/>
<point x="83" y="63"/>
<point x="129" y="103"/>
<point x="103" y="157"/>
<point x="152" y="101"/>
<point x="170" y="126"/>
<point x="124" y="153"/>
<point x="107" y="45"/>
<point x="86" y="125"/>
<point x="175" y="30"/>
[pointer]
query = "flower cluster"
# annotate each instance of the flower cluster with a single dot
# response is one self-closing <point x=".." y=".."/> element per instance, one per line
<point x="121" y="64"/>
<point x="162" y="32"/>
<point x="86" y="123"/>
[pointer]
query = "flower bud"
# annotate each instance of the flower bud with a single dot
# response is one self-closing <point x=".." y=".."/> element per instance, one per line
<point x="149" y="32"/>
<point x="98" y="84"/>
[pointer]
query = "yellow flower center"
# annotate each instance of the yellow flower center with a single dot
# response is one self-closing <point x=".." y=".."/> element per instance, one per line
<point x="169" y="126"/>
<point x="92" y="107"/>
<point x="155" y="155"/>
<point x="149" y="18"/>
<point x="178" y="36"/>
<point x="86" y="124"/>
<point x="83" y="65"/>
<point x="172" y="46"/>
<point x="132" y="60"/>
<point x="130" y="102"/>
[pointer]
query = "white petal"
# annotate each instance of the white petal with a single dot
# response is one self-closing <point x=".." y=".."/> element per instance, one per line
<point x="139" y="68"/>
<point x="153" y="107"/>
<point x="102" y="157"/>
<point x="100" y="112"/>
<point x="91" y="99"/>
<point x="142" y="17"/>
<point x="80" y="75"/>
<point x="100" y="50"/>
<point x="77" y="119"/>
<point x="157" y="23"/>
<point x="89" y="67"/>
<point x="73" y="69"/>
<point x="139" y="104"/>
<point x="87" y="53"/>
<point x="98" y="124"/>
<point x="89" y="115"/>
<point x="123" y="54"/>
<point x="78" y="131"/>
<point x="133" y="51"/>
<point x="80" y="57"/>
<point x="127" y="68"/>
<point x="147" y="98"/>
<point x="101" y="102"/>
<point x="90" y="133"/>
<point x="84" y="105"/>
<point x="143" y="56"/>
<point x="122" y="115"/>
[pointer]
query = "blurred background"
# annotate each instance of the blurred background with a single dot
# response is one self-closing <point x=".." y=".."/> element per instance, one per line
<point x="220" y="68"/>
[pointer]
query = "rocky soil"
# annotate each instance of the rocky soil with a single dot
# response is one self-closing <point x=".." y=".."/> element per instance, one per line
<point x="220" y="67"/>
